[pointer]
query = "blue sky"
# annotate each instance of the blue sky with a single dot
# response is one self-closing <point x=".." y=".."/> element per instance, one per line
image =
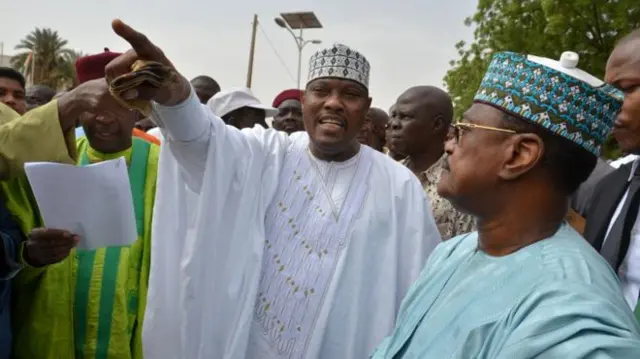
<point x="407" y="42"/>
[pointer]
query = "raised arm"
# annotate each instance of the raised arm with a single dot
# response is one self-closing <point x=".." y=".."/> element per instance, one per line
<point x="187" y="129"/>
<point x="46" y="134"/>
<point x="200" y="143"/>
<point x="43" y="134"/>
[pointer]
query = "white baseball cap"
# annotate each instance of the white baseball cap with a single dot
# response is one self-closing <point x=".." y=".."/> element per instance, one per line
<point x="230" y="100"/>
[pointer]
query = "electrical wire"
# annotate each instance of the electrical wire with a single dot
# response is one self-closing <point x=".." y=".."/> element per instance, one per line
<point x="284" y="65"/>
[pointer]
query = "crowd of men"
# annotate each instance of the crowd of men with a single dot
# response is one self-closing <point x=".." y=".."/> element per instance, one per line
<point x="336" y="229"/>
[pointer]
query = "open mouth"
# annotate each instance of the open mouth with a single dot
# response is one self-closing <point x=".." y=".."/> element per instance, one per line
<point x="396" y="141"/>
<point x="105" y="135"/>
<point x="290" y="126"/>
<point x="333" y="122"/>
<point x="105" y="131"/>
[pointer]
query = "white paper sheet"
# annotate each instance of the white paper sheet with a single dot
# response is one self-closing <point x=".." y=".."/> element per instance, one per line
<point x="93" y="201"/>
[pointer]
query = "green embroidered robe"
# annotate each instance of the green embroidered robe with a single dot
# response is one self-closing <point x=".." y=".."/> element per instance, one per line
<point x="91" y="304"/>
<point x="34" y="136"/>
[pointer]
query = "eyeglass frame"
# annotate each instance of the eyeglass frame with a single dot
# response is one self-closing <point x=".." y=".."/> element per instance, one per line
<point x="468" y="126"/>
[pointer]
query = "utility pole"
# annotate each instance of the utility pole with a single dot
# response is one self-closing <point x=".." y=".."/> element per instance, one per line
<point x="252" y="50"/>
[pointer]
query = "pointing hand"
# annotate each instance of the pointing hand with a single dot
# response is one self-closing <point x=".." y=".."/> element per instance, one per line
<point x="143" y="49"/>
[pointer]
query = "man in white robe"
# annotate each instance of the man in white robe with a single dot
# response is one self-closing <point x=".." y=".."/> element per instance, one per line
<point x="298" y="246"/>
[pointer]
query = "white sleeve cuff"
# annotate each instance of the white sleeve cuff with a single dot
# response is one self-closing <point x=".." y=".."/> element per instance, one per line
<point x="184" y="122"/>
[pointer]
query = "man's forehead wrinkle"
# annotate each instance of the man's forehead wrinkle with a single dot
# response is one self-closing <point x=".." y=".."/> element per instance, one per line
<point x="627" y="52"/>
<point x="621" y="66"/>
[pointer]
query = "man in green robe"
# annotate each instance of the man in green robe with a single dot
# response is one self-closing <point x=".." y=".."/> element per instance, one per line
<point x="36" y="136"/>
<point x="90" y="304"/>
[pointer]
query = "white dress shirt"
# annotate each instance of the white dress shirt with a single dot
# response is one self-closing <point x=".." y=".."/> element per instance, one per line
<point x="623" y="161"/>
<point x="629" y="272"/>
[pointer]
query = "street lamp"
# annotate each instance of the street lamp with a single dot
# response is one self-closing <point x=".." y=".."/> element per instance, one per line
<point x="299" y="21"/>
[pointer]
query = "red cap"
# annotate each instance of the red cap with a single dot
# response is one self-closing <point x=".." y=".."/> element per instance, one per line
<point x="92" y="67"/>
<point x="292" y="94"/>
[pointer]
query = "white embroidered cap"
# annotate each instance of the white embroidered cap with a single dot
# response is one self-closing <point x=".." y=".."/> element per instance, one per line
<point x="230" y="100"/>
<point x="339" y="61"/>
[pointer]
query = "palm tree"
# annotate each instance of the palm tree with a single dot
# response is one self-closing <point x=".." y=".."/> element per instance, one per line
<point x="51" y="56"/>
<point x="65" y="74"/>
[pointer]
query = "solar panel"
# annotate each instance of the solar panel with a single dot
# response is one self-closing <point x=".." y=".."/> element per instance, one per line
<point x="301" y="20"/>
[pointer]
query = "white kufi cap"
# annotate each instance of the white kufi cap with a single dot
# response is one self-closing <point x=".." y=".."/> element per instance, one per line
<point x="339" y="61"/>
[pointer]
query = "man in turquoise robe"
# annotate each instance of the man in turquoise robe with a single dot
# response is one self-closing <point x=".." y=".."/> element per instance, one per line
<point x="525" y="285"/>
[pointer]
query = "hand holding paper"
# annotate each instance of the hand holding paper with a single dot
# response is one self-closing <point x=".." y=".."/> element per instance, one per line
<point x="93" y="202"/>
<point x="47" y="246"/>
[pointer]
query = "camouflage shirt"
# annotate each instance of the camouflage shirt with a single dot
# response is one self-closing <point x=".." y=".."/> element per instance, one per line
<point x="449" y="220"/>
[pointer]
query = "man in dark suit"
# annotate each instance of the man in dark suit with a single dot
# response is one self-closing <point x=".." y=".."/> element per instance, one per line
<point x="581" y="199"/>
<point x="613" y="225"/>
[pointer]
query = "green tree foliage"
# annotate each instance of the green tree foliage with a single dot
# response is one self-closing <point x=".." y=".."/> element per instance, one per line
<point x="53" y="64"/>
<point x="539" y="27"/>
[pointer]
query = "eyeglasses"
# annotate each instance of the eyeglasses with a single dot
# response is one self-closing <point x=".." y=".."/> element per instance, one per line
<point x="463" y="126"/>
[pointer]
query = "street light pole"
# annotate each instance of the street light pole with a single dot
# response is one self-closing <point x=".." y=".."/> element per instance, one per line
<point x="299" y="39"/>
<point x="301" y="44"/>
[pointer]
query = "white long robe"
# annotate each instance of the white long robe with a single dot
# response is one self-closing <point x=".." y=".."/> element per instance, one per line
<point x="251" y="259"/>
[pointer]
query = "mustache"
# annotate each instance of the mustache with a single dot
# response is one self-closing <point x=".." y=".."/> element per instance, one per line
<point x="445" y="164"/>
<point x="333" y="115"/>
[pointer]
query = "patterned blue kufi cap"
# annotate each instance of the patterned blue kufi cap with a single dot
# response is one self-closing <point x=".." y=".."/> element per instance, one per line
<point x="339" y="61"/>
<point x="553" y="94"/>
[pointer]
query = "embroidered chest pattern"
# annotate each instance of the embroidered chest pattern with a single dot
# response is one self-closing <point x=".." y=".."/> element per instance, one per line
<point x="303" y="245"/>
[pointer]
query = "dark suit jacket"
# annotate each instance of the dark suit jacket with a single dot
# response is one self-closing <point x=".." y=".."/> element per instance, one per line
<point x="583" y="197"/>
<point x="604" y="202"/>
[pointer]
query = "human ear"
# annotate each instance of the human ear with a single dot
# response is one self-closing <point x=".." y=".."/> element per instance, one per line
<point x="438" y="123"/>
<point x="522" y="153"/>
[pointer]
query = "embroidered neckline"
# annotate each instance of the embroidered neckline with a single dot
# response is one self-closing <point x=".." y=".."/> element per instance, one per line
<point x="351" y="162"/>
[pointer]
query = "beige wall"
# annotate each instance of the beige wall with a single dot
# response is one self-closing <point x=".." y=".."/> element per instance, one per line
<point x="5" y="60"/>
